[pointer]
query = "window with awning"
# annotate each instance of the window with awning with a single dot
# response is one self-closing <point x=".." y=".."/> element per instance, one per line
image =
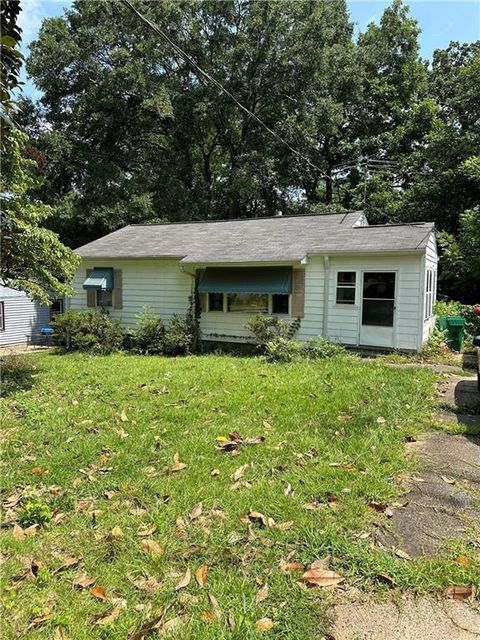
<point x="253" y="280"/>
<point x="99" y="279"/>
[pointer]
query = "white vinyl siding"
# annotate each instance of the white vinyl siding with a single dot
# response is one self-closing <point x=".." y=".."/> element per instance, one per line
<point x="160" y="285"/>
<point x="23" y="318"/>
<point x="344" y="320"/>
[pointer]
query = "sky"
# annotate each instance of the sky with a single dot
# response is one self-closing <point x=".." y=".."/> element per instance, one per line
<point x="440" y="21"/>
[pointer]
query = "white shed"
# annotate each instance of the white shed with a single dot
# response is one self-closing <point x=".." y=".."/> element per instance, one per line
<point x="360" y="285"/>
<point x="22" y="318"/>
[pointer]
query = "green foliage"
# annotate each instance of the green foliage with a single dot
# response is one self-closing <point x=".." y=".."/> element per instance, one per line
<point x="35" y="512"/>
<point x="33" y="259"/>
<point x="436" y="347"/>
<point x="267" y="328"/>
<point x="152" y="337"/>
<point x="454" y="308"/>
<point x="89" y="331"/>
<point x="17" y="372"/>
<point x="10" y="63"/>
<point x="284" y="349"/>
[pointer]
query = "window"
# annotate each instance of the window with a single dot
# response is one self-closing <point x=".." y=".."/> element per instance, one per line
<point x="429" y="293"/>
<point x="104" y="297"/>
<point x="378" y="308"/>
<point x="346" y="285"/>
<point x="56" y="308"/>
<point x="2" y="316"/>
<point x="280" y="304"/>
<point x="250" y="302"/>
<point x="215" y="301"/>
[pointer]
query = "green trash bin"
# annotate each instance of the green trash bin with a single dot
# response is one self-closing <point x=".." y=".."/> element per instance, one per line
<point x="455" y="327"/>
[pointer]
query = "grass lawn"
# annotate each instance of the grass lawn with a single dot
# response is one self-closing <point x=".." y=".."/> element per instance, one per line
<point x="123" y="450"/>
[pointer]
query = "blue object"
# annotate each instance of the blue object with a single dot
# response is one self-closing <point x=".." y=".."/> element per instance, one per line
<point x="99" y="279"/>
<point x="47" y="331"/>
<point x="246" y="280"/>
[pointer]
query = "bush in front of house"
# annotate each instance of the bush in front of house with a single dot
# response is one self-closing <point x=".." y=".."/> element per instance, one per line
<point x="152" y="337"/>
<point x="467" y="311"/>
<point x="270" y="328"/>
<point x="88" y="331"/>
<point x="287" y="350"/>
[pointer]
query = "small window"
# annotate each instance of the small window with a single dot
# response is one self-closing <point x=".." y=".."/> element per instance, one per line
<point x="2" y="316"/>
<point x="280" y="303"/>
<point x="215" y="301"/>
<point x="346" y="285"/>
<point x="247" y="302"/>
<point x="104" y="297"/>
<point x="56" y="308"/>
<point x="430" y="285"/>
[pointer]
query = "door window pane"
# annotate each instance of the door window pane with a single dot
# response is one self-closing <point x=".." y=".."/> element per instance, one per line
<point x="379" y="285"/>
<point x="252" y="302"/>
<point x="378" y="313"/>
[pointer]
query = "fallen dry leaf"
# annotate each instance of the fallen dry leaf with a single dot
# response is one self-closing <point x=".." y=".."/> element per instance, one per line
<point x="291" y="566"/>
<point x="152" y="547"/>
<point x="262" y="594"/>
<point x="109" y="616"/>
<point x="462" y="561"/>
<point x="239" y="473"/>
<point x="400" y="553"/>
<point x="201" y="575"/>
<point x="116" y="532"/>
<point x="457" y="592"/>
<point x="83" y="582"/>
<point x="171" y="624"/>
<point x="185" y="581"/>
<point x="177" y="465"/>
<point x="215" y="605"/>
<point x="148" y="584"/>
<point x="284" y="525"/>
<point x="18" y="532"/>
<point x="208" y="616"/>
<point x="196" y="511"/>
<point x="180" y="527"/>
<point x="381" y="420"/>
<point x="67" y="563"/>
<point x="447" y="480"/>
<point x="215" y="472"/>
<point x="321" y="577"/>
<point x="264" y="624"/>
<point x="147" y="627"/>
<point x="259" y="518"/>
<point x="147" y="531"/>
<point x="99" y="592"/>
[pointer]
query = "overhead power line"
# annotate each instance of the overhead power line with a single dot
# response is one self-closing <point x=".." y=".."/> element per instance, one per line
<point x="203" y="76"/>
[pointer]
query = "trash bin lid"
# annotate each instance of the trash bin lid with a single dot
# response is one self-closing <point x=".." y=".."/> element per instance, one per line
<point x="456" y="321"/>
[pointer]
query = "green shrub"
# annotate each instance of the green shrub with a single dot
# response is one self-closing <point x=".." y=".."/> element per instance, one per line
<point x="88" y="331"/>
<point x="268" y="328"/>
<point x="16" y="373"/>
<point x="148" y="337"/>
<point x="284" y="350"/>
<point x="320" y="348"/>
<point x="178" y="337"/>
<point x="35" y="512"/>
<point x="454" y="308"/>
<point x="436" y="346"/>
<point x="152" y="337"/>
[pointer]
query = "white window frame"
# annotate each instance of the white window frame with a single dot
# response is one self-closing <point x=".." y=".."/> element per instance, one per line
<point x="2" y="315"/>
<point x="430" y="283"/>
<point x="346" y="286"/>
<point x="269" y="312"/>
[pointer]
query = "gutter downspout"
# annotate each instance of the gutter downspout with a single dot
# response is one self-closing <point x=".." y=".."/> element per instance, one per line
<point x="326" y="287"/>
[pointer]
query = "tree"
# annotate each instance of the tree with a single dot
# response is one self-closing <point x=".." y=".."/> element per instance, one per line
<point x="10" y="63"/>
<point x="33" y="259"/>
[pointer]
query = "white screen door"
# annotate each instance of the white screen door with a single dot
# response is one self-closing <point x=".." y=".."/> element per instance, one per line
<point x="377" y="325"/>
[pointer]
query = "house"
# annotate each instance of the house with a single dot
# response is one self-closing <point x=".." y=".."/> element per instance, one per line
<point x="22" y="318"/>
<point x="360" y="285"/>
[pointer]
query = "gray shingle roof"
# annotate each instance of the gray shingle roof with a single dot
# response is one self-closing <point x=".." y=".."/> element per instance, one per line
<point x="257" y="240"/>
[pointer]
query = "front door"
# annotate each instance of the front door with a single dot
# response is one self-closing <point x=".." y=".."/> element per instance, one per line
<point x="378" y="309"/>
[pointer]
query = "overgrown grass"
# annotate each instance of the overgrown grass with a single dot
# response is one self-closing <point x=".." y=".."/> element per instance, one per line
<point x="96" y="438"/>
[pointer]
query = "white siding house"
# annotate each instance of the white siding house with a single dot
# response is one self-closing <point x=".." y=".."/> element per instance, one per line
<point x="360" y="285"/>
<point x="20" y="318"/>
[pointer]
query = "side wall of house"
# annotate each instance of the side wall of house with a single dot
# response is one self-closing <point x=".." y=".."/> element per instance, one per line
<point x="160" y="285"/>
<point x="344" y="320"/>
<point x="430" y="262"/>
<point x="23" y="318"/>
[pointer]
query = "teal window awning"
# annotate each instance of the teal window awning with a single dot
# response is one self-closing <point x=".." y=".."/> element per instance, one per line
<point x="275" y="280"/>
<point x="99" y="279"/>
